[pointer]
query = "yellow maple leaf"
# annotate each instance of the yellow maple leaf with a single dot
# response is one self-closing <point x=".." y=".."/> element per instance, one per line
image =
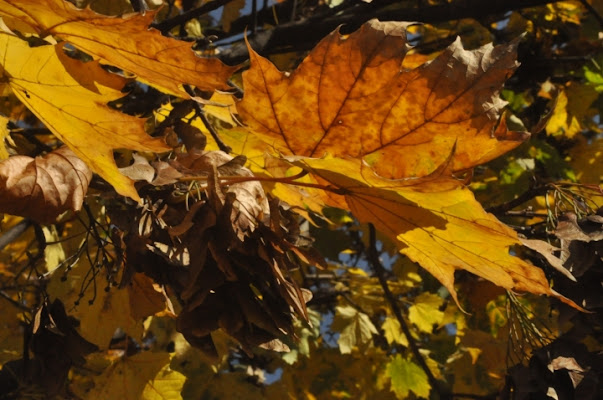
<point x="70" y="97"/>
<point x="125" y="42"/>
<point x="4" y="133"/>
<point x="436" y="221"/>
<point x="142" y="376"/>
<point x="100" y="312"/>
<point x="350" y="98"/>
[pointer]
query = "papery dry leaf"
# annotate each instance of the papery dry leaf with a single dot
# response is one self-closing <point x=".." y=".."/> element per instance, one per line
<point x="125" y="42"/>
<point x="42" y="188"/>
<point x="437" y="223"/>
<point x="546" y="250"/>
<point x="165" y="174"/>
<point x="250" y="204"/>
<point x="349" y="98"/>
<point x="70" y="97"/>
<point x="140" y="170"/>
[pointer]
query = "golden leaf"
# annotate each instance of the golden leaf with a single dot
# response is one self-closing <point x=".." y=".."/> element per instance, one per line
<point x="436" y="222"/>
<point x="4" y="133"/>
<point x="142" y="376"/>
<point x="100" y="311"/>
<point x="350" y="98"/>
<point x="71" y="98"/>
<point x="125" y="42"/>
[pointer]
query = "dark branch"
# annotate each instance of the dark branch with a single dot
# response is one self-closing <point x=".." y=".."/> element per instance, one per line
<point x="305" y="33"/>
<point x="201" y="114"/>
<point x="14" y="232"/>
<point x="167" y="24"/>
<point x="529" y="194"/>
<point x="594" y="12"/>
<point x="373" y="258"/>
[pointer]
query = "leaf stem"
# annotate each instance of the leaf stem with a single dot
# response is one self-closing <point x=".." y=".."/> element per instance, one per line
<point x="287" y="180"/>
<point x="14" y="232"/>
<point x="167" y="24"/>
<point x="373" y="258"/>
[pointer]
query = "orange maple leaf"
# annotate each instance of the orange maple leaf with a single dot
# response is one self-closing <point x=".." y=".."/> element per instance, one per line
<point x="350" y="97"/>
<point x="125" y="42"/>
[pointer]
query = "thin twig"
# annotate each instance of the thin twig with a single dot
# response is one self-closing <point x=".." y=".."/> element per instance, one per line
<point x="14" y="232"/>
<point x="592" y="10"/>
<point x="14" y="302"/>
<point x="474" y="396"/>
<point x="201" y="114"/>
<point x="167" y="24"/>
<point x="373" y="258"/>
<point x="529" y="194"/>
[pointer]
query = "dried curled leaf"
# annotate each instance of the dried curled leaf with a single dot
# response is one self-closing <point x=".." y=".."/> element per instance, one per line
<point x="239" y="252"/>
<point x="42" y="188"/>
<point x="125" y="42"/>
<point x="349" y="98"/>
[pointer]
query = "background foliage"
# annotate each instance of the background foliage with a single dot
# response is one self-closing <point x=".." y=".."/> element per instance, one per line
<point x="185" y="244"/>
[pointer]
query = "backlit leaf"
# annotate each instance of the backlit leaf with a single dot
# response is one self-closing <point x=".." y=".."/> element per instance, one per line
<point x="406" y="376"/>
<point x="349" y="97"/>
<point x="71" y="98"/>
<point x="125" y="42"/>
<point x="425" y="312"/>
<point x="356" y="329"/>
<point x="437" y="223"/>
<point x="100" y="312"/>
<point x="142" y="376"/>
<point x="393" y="333"/>
<point x="4" y="133"/>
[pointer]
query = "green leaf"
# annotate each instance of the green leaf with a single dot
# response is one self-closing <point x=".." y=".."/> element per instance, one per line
<point x="356" y="329"/>
<point x="425" y="313"/>
<point x="407" y="376"/>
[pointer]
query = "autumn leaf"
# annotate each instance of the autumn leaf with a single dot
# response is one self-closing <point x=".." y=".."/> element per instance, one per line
<point x="142" y="376"/>
<point x="125" y="42"/>
<point x="393" y="332"/>
<point x="437" y="223"/>
<point x="4" y="133"/>
<point x="406" y="376"/>
<point x="71" y="98"/>
<point x="102" y="312"/>
<point x="356" y="329"/>
<point x="425" y="311"/>
<point x="42" y="188"/>
<point x="350" y="98"/>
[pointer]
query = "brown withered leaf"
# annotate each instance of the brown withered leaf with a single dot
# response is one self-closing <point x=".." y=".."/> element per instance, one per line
<point x="42" y="188"/>
<point x="250" y="203"/>
<point x="350" y="98"/>
<point x="547" y="250"/>
<point x="140" y="170"/>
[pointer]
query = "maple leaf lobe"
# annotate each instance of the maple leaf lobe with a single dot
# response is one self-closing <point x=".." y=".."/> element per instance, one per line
<point x="351" y="97"/>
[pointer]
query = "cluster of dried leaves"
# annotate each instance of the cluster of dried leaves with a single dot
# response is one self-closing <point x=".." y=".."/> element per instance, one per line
<point x="226" y="252"/>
